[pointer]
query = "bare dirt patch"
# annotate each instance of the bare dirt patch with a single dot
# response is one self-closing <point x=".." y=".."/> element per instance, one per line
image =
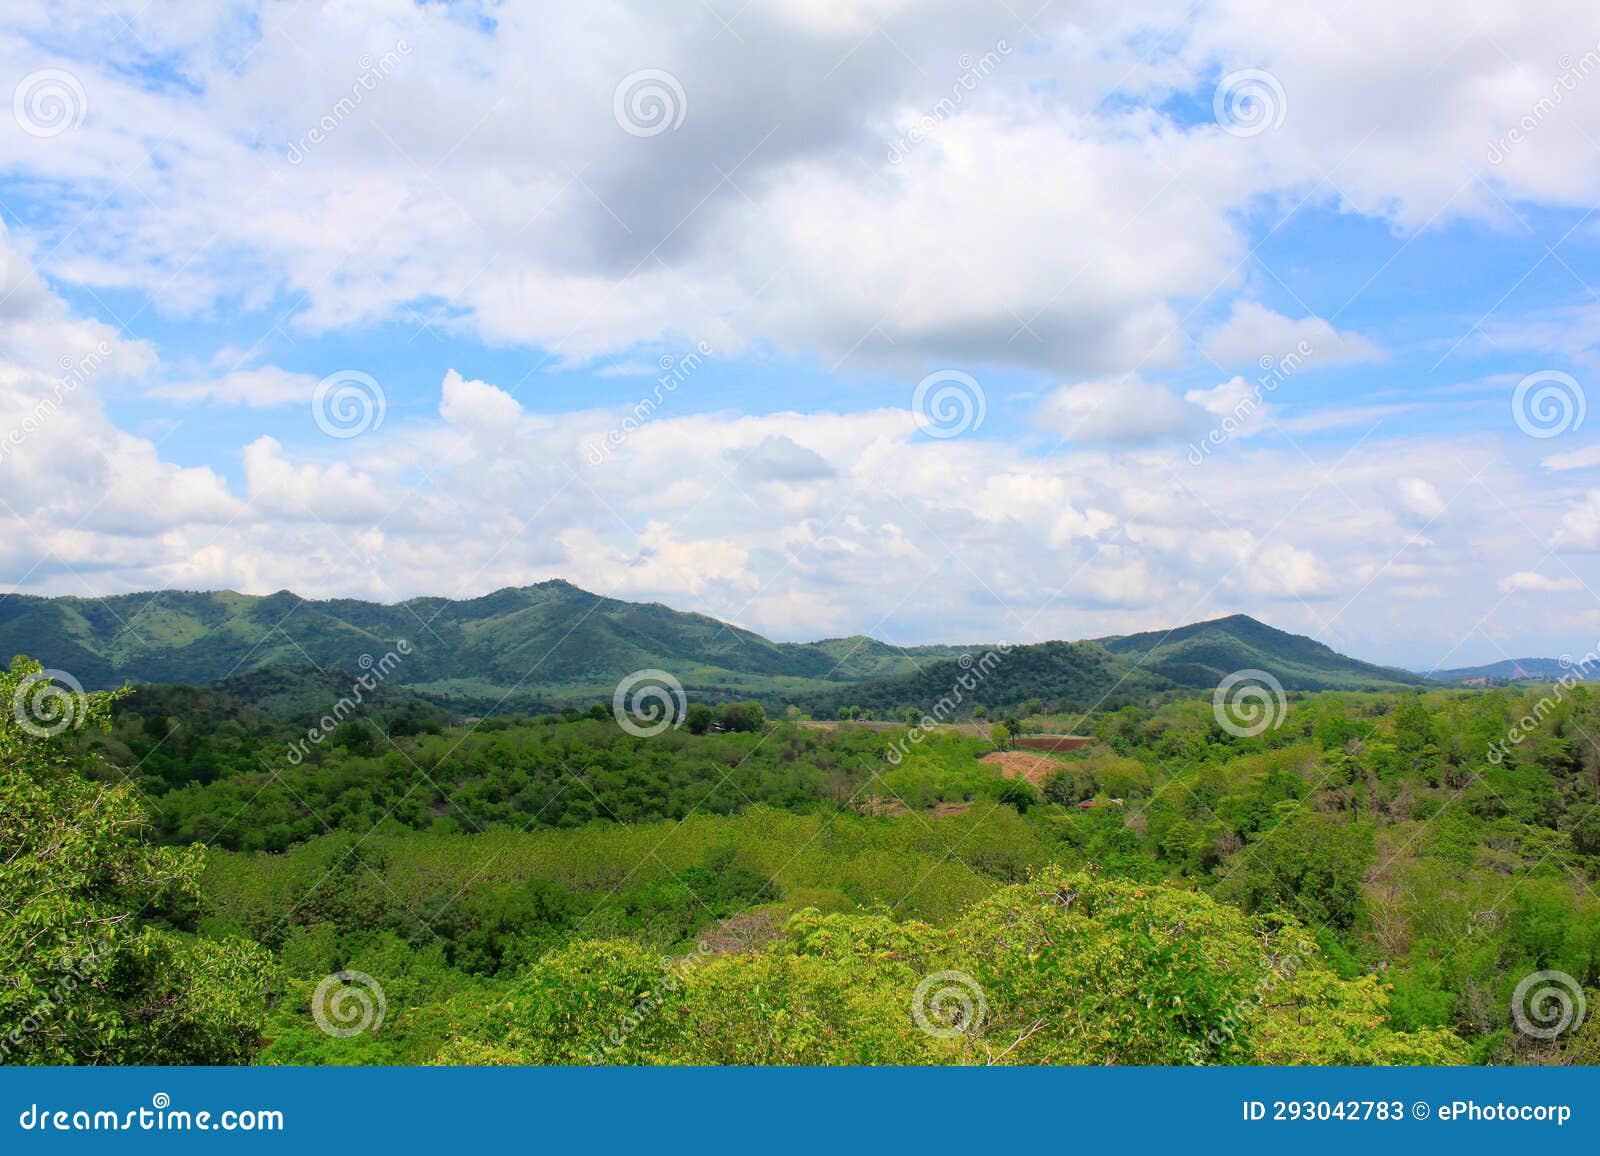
<point x="1021" y="765"/>
<point x="1051" y="742"/>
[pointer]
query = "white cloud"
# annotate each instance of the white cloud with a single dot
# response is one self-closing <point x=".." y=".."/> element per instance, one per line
<point x="261" y="387"/>
<point x="482" y="186"/>
<point x="483" y="410"/>
<point x="1579" y="529"/>
<point x="1582" y="459"/>
<point x="1039" y="224"/>
<point x="872" y="528"/>
<point x="334" y="493"/>
<point x="1529" y="582"/>
<point x="1421" y="499"/>
<point x="1119" y="410"/>
<point x="1253" y="333"/>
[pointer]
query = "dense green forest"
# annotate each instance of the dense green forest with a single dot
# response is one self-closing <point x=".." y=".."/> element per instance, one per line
<point x="534" y="649"/>
<point x="188" y="879"/>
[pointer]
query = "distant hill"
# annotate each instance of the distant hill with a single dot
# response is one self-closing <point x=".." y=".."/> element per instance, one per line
<point x="518" y="648"/>
<point x="1206" y="652"/>
<point x="538" y="648"/>
<point x="296" y="695"/>
<point x="1514" y="670"/>
<point x="1074" y="674"/>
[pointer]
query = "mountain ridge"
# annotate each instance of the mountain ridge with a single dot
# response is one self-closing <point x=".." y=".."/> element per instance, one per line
<point x="530" y="647"/>
<point x="1509" y="670"/>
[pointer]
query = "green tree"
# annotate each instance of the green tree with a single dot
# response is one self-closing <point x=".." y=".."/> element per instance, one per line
<point x="741" y="716"/>
<point x="88" y="979"/>
<point x="699" y="718"/>
<point x="1310" y="865"/>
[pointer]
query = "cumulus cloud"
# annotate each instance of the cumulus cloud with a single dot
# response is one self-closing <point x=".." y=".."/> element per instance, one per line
<point x="776" y="458"/>
<point x="1039" y="225"/>
<point x="481" y="188"/>
<point x="1531" y="582"/>
<point x="1254" y="333"/>
<point x="844" y="523"/>
<point x="1120" y="410"/>
<point x="1421" y="499"/>
<point x="1579" y="529"/>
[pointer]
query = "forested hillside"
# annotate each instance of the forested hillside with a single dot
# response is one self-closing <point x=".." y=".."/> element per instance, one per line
<point x="551" y="640"/>
<point x="1369" y="879"/>
<point x="1204" y="653"/>
<point x="535" y="649"/>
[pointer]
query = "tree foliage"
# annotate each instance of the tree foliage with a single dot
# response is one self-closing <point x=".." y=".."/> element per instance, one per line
<point x="91" y="977"/>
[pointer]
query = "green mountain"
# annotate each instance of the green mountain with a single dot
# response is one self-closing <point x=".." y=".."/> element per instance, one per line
<point x="1204" y="653"/>
<point x="1517" y="670"/>
<point x="518" y="648"/>
<point x="1065" y="675"/>
<point x="537" y="648"/>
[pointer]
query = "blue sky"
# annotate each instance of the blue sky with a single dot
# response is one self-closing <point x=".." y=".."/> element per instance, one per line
<point x="498" y="221"/>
